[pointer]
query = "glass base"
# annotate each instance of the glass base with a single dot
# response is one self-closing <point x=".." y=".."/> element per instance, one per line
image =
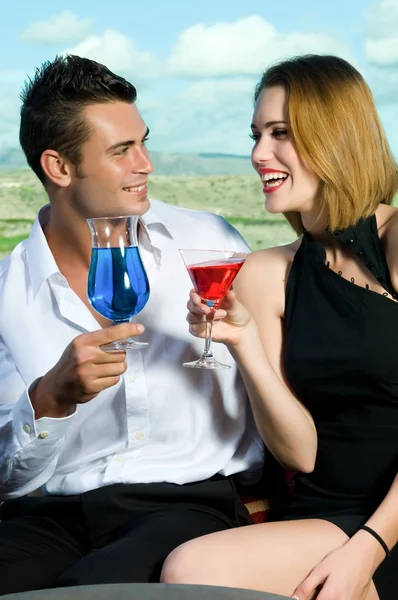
<point x="207" y="361"/>
<point x="123" y="345"/>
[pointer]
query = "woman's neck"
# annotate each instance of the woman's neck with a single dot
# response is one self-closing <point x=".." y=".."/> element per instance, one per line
<point x="315" y="225"/>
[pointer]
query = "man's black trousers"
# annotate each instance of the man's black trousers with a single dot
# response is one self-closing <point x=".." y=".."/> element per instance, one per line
<point x="120" y="533"/>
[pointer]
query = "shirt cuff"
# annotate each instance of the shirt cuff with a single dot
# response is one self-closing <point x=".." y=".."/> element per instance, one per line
<point x="26" y="428"/>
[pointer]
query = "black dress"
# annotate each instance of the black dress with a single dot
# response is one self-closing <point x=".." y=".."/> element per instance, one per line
<point x="341" y="360"/>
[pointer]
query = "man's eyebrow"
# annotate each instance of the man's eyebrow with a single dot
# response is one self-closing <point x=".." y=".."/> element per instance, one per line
<point x="269" y="124"/>
<point x="127" y="142"/>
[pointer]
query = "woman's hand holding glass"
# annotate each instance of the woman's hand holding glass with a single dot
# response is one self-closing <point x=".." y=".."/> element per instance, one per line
<point x="231" y="320"/>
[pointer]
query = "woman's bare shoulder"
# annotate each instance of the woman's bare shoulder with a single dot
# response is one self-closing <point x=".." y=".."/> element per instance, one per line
<point x="387" y="219"/>
<point x="278" y="257"/>
<point x="387" y="224"/>
<point x="263" y="277"/>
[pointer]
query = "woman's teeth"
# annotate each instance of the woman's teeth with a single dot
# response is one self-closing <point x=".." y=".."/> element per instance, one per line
<point x="273" y="180"/>
<point x="273" y="183"/>
<point x="268" y="176"/>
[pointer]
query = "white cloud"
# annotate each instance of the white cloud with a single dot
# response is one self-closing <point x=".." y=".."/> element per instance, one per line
<point x="382" y="19"/>
<point x="65" y="28"/>
<point x="119" y="54"/>
<point x="381" y="41"/>
<point x="9" y="122"/>
<point x="11" y="83"/>
<point x="206" y="116"/>
<point x="382" y="52"/>
<point x="381" y="48"/>
<point x="245" y="47"/>
<point x="210" y="113"/>
<point x="384" y="84"/>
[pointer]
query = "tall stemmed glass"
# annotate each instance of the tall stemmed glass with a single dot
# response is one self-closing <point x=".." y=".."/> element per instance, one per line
<point x="212" y="273"/>
<point x="118" y="286"/>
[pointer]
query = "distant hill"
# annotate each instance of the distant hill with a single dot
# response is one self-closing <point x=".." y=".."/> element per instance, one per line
<point x="200" y="165"/>
<point x="195" y="165"/>
<point x="12" y="158"/>
<point x="220" y="155"/>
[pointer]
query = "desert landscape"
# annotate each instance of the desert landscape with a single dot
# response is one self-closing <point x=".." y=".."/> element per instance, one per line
<point x="238" y="198"/>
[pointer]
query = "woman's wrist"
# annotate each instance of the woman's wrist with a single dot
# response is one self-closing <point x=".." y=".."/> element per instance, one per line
<point x="245" y="338"/>
<point x="377" y="537"/>
<point x="247" y="345"/>
<point x="372" y="553"/>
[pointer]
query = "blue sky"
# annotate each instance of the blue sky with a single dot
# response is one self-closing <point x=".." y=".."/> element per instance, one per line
<point x="195" y="64"/>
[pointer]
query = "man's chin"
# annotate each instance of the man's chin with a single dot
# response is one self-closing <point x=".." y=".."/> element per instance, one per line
<point x="136" y="206"/>
<point x="142" y="206"/>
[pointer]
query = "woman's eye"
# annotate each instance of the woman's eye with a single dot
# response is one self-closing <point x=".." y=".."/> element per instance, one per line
<point x="280" y="133"/>
<point x="254" y="136"/>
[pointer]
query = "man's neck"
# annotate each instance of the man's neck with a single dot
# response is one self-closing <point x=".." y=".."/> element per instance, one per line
<point x="68" y="238"/>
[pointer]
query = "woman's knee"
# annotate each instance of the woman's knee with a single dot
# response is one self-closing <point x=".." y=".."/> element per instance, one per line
<point x="186" y="564"/>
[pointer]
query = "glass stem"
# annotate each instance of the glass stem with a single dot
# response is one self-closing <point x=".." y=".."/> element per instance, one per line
<point x="209" y="330"/>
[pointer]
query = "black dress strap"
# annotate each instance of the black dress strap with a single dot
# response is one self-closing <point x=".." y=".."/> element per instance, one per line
<point x="363" y="239"/>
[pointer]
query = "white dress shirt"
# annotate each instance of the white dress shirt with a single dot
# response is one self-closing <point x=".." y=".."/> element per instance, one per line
<point x="161" y="422"/>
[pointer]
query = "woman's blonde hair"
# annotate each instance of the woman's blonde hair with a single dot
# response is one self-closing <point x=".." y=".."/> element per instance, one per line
<point x="335" y="128"/>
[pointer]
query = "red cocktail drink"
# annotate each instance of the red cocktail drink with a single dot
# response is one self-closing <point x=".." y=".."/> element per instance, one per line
<point x="213" y="279"/>
<point x="212" y="273"/>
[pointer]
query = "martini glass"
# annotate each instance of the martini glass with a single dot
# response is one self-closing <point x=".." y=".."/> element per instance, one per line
<point x="118" y="286"/>
<point x="212" y="273"/>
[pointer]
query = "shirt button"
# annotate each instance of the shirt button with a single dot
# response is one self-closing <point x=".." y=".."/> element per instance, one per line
<point x="139" y="435"/>
<point x="43" y="435"/>
<point x="26" y="428"/>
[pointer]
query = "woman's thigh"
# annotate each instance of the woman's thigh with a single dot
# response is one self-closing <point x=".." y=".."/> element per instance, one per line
<point x="272" y="557"/>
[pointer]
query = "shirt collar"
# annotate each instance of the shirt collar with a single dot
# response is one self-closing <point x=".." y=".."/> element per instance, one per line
<point x="157" y="216"/>
<point x="41" y="263"/>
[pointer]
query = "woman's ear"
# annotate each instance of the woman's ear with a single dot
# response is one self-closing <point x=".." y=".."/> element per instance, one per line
<point x="56" y="168"/>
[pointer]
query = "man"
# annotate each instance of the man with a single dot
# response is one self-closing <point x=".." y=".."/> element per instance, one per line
<point x="133" y="454"/>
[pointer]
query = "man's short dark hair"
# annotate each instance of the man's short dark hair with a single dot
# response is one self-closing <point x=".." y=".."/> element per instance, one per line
<point x="53" y="103"/>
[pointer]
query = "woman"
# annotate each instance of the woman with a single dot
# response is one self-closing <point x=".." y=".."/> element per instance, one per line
<point x="313" y="327"/>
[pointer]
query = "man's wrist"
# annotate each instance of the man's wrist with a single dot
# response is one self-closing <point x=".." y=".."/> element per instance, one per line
<point x="45" y="403"/>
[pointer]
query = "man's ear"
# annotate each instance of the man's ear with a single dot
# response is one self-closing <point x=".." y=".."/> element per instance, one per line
<point x="56" y="168"/>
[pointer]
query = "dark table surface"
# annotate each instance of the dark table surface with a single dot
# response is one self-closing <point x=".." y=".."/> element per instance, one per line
<point x="143" y="591"/>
